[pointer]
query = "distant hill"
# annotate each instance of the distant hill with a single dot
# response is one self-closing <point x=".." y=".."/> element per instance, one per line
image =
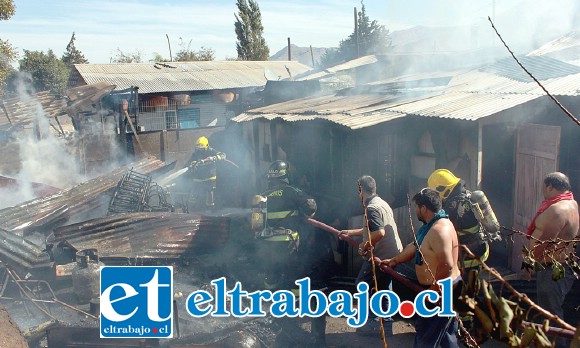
<point x="300" y="54"/>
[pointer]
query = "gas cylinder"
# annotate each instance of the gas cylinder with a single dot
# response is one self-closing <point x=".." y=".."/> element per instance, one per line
<point x="485" y="214"/>
<point x="259" y="213"/>
<point x="86" y="275"/>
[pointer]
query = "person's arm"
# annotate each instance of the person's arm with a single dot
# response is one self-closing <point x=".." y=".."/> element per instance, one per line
<point x="375" y="225"/>
<point x="406" y="255"/>
<point x="352" y="233"/>
<point x="306" y="204"/>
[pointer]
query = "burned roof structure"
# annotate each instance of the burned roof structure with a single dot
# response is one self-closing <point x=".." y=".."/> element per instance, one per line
<point x="20" y="111"/>
<point x="23" y="227"/>
<point x="468" y="96"/>
<point x="144" y="237"/>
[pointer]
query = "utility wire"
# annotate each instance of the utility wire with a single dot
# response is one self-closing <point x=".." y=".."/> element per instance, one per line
<point x="532" y="76"/>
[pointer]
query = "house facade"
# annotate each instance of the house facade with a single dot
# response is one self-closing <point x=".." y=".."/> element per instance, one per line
<point x="491" y="126"/>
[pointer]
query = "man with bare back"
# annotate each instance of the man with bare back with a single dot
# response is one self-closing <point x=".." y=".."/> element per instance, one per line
<point x="556" y="219"/>
<point x="436" y="254"/>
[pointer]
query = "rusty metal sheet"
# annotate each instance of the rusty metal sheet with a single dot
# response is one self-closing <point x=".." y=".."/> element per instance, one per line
<point x="146" y="235"/>
<point x="21" y="245"/>
<point x="69" y="203"/>
<point x="60" y="336"/>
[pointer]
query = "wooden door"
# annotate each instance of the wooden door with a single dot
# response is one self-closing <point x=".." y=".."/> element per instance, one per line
<point x="537" y="148"/>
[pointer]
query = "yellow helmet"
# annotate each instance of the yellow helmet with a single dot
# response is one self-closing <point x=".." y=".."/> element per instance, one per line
<point x="202" y="143"/>
<point x="443" y="181"/>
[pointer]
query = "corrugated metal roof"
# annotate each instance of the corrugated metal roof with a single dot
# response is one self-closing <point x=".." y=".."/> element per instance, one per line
<point x="189" y="76"/>
<point x="481" y="82"/>
<point x="351" y="64"/>
<point x="565" y="42"/>
<point x="543" y="68"/>
<point x="469" y="96"/>
<point x="355" y="112"/>
<point x="148" y="235"/>
<point x="463" y="105"/>
<point x="19" y="111"/>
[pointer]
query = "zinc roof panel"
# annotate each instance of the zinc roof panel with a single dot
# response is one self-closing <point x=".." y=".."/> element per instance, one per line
<point x="188" y="76"/>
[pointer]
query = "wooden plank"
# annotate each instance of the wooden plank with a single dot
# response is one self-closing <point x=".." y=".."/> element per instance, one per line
<point x="537" y="150"/>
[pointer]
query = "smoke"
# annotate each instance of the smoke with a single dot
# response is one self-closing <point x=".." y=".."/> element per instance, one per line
<point x="42" y="157"/>
<point x="459" y="35"/>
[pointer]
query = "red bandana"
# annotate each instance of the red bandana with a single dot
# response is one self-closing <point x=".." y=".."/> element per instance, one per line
<point x="566" y="196"/>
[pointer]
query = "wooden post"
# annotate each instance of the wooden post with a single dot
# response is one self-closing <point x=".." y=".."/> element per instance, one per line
<point x="356" y="33"/>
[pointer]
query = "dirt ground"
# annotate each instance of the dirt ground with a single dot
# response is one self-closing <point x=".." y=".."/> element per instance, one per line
<point x="10" y="336"/>
<point x="339" y="334"/>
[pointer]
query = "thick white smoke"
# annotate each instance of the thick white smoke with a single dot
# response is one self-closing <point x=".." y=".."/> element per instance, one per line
<point x="43" y="157"/>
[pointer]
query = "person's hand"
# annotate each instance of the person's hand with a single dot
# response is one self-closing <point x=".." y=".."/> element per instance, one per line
<point x="193" y="164"/>
<point x="342" y="234"/>
<point x="364" y="248"/>
<point x="389" y="262"/>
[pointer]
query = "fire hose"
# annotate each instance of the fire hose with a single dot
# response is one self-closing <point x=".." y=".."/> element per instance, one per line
<point x="401" y="279"/>
<point x="413" y="286"/>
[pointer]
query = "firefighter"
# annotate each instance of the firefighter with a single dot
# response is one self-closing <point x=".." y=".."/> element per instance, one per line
<point x="287" y="206"/>
<point x="461" y="211"/>
<point x="293" y="248"/>
<point x="202" y="165"/>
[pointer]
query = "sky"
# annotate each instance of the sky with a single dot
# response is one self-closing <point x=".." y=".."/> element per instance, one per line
<point x="104" y="26"/>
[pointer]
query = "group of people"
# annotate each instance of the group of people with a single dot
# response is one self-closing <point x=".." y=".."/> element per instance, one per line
<point x="449" y="220"/>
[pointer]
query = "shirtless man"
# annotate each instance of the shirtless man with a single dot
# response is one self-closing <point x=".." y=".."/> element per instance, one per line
<point x="436" y="258"/>
<point x="556" y="218"/>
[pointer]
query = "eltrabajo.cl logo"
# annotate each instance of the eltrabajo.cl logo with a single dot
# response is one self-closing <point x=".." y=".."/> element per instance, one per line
<point x="136" y="302"/>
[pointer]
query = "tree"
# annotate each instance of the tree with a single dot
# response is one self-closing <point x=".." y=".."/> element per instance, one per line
<point x="186" y="54"/>
<point x="157" y="57"/>
<point x="7" y="9"/>
<point x="251" y="45"/>
<point x="72" y="55"/>
<point x="130" y="57"/>
<point x="373" y="38"/>
<point x="8" y="54"/>
<point x="47" y="71"/>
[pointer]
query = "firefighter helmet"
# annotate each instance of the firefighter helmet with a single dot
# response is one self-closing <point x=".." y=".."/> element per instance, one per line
<point x="202" y="143"/>
<point x="443" y="181"/>
<point x="278" y="169"/>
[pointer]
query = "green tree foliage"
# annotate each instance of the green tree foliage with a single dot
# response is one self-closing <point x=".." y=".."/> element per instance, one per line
<point x="186" y="54"/>
<point x="251" y="44"/>
<point x="47" y="71"/>
<point x="8" y="54"/>
<point x="157" y="57"/>
<point x="373" y="38"/>
<point x="72" y="55"/>
<point x="129" y="57"/>
<point x="7" y="9"/>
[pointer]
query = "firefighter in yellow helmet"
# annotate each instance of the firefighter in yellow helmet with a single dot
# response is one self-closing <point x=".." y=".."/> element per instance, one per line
<point x="203" y="173"/>
<point x="456" y="203"/>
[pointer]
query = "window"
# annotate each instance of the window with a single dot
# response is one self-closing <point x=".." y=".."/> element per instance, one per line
<point x="171" y="119"/>
<point x="189" y="118"/>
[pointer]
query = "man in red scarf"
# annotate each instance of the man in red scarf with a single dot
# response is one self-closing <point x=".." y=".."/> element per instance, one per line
<point x="557" y="218"/>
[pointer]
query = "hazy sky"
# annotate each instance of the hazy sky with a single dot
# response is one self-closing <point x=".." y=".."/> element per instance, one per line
<point x="103" y="26"/>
